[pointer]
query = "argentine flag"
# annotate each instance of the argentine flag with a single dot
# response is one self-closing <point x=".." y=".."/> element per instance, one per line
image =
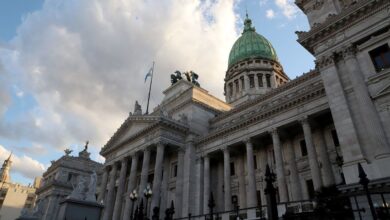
<point x="149" y="74"/>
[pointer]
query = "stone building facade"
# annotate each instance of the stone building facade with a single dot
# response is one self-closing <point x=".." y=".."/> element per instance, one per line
<point x="60" y="179"/>
<point x="14" y="197"/>
<point x="312" y="131"/>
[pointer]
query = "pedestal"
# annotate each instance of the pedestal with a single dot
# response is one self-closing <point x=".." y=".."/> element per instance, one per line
<point x="79" y="210"/>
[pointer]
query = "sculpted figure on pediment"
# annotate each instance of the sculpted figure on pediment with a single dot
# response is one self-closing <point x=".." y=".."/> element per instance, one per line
<point x="137" y="109"/>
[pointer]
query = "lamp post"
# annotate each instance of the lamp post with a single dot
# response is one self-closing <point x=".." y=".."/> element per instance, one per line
<point x="211" y="205"/>
<point x="147" y="193"/>
<point x="364" y="182"/>
<point x="133" y="198"/>
<point x="236" y="207"/>
<point x="270" y="192"/>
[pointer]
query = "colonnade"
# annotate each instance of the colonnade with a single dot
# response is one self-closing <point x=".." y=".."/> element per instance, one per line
<point x="239" y="85"/>
<point x="184" y="185"/>
<point x="320" y="177"/>
<point x="114" y="194"/>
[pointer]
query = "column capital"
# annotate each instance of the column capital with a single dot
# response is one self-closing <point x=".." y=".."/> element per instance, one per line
<point x="147" y="148"/>
<point x="190" y="138"/>
<point x="224" y="149"/>
<point x="161" y="142"/>
<point x="348" y="51"/>
<point x="247" y="140"/>
<point x="134" y="155"/>
<point x="124" y="160"/>
<point x="273" y="131"/>
<point x="304" y="120"/>
<point x="205" y="155"/>
<point x="326" y="61"/>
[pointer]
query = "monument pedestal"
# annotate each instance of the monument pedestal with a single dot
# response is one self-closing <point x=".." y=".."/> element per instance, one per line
<point x="72" y="209"/>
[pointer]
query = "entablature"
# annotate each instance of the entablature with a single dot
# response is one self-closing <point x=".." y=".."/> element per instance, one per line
<point x="266" y="111"/>
<point x="163" y="129"/>
<point x="340" y="22"/>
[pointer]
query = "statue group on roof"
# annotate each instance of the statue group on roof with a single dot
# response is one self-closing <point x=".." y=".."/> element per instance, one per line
<point x="190" y="76"/>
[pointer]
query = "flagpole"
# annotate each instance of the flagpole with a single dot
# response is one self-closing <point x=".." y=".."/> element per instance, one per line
<point x="150" y="88"/>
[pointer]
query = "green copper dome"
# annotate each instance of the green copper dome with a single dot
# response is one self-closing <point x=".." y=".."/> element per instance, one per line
<point x="251" y="45"/>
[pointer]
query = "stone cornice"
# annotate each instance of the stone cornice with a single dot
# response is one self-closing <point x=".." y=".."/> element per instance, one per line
<point x="161" y="122"/>
<point x="347" y="18"/>
<point x="311" y="92"/>
<point x="267" y="96"/>
<point x="125" y="125"/>
<point x="65" y="160"/>
<point x="52" y="183"/>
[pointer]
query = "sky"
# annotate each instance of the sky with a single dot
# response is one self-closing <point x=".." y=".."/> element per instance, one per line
<point x="71" y="70"/>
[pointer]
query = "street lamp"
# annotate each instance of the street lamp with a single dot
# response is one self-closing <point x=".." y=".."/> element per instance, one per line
<point x="147" y="193"/>
<point x="133" y="198"/>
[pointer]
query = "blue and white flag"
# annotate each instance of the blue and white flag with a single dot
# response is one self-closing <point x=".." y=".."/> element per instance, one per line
<point x="149" y="74"/>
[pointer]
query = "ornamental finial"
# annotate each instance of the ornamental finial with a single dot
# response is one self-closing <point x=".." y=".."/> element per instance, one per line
<point x="248" y="24"/>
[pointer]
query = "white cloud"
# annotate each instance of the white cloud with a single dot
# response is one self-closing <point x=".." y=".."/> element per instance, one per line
<point x="270" y="14"/>
<point x="289" y="9"/>
<point x="84" y="61"/>
<point x="24" y="165"/>
<point x="263" y="2"/>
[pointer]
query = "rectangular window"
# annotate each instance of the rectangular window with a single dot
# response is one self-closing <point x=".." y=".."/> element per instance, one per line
<point x="242" y="82"/>
<point x="335" y="138"/>
<point x="258" y="194"/>
<point x="230" y="89"/>
<point x="260" y="79"/>
<point x="381" y="57"/>
<point x="251" y="81"/>
<point x="302" y="143"/>
<point x="70" y="176"/>
<point x="174" y="170"/>
<point x="310" y="188"/>
<point x="237" y="86"/>
<point x="268" y="78"/>
<point x="232" y="171"/>
<point x="255" y="161"/>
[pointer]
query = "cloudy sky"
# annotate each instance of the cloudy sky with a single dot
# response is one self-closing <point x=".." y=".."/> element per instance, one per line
<point x="71" y="70"/>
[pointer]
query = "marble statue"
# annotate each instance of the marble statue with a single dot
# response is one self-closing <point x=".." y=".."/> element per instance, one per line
<point x="90" y="196"/>
<point x="137" y="109"/>
<point x="78" y="191"/>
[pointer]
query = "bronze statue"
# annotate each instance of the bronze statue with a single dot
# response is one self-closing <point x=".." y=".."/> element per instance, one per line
<point x="176" y="77"/>
<point x="191" y="76"/>
<point x="86" y="146"/>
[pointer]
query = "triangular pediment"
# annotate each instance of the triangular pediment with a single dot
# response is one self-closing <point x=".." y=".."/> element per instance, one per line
<point x="132" y="126"/>
<point x="383" y="91"/>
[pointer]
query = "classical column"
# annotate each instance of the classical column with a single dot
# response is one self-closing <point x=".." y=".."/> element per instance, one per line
<point x="341" y="114"/>
<point x="242" y="192"/>
<point x="109" y="200"/>
<point x="179" y="182"/>
<point x="282" y="187"/>
<point x="326" y="171"/>
<point x="131" y="186"/>
<point x="206" y="184"/>
<point x="227" y="90"/>
<point x="188" y="179"/>
<point x="372" y="123"/>
<point x="246" y="82"/>
<point x="226" y="179"/>
<point x="157" y="177"/>
<point x="251" y="190"/>
<point x="311" y="151"/>
<point x="103" y="186"/>
<point x="256" y="81"/>
<point x="120" y="190"/>
<point x="144" y="175"/>
<point x="296" y="190"/>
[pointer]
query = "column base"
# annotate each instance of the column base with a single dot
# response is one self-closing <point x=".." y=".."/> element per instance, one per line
<point x="251" y="213"/>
